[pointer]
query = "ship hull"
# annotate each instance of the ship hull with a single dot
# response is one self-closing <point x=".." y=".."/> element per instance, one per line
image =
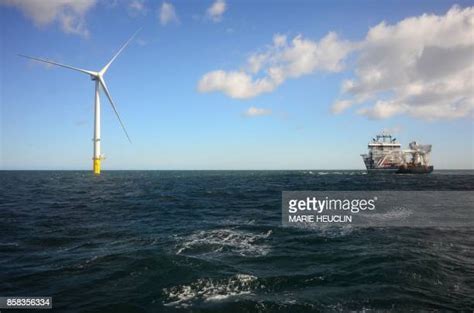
<point x="415" y="170"/>
<point x="382" y="170"/>
<point x="401" y="170"/>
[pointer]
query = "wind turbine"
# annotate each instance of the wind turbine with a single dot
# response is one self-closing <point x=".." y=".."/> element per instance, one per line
<point x="98" y="77"/>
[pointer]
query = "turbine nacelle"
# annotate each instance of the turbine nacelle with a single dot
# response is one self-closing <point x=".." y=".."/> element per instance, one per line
<point x="94" y="76"/>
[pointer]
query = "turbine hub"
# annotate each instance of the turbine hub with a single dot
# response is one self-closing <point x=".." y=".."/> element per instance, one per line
<point x="95" y="76"/>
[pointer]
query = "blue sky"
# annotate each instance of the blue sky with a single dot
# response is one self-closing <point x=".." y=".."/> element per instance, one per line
<point x="179" y="121"/>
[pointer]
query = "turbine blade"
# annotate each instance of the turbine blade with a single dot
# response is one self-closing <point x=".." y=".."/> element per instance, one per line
<point x="106" y="67"/>
<point x="107" y="93"/>
<point x="59" y="64"/>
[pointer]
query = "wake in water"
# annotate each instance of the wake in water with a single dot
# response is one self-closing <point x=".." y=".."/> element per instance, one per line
<point x="224" y="241"/>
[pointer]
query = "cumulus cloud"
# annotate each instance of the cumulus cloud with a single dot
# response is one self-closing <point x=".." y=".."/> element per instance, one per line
<point x="137" y="8"/>
<point x="236" y="84"/>
<point x="69" y="14"/>
<point x="216" y="10"/>
<point x="268" y="69"/>
<point x="254" y="112"/>
<point x="167" y="14"/>
<point x="422" y="66"/>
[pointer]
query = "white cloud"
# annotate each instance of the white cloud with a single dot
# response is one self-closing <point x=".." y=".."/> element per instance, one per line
<point x="69" y="14"/>
<point x="254" y="112"/>
<point x="383" y="109"/>
<point x="279" y="40"/>
<point x="422" y="66"/>
<point x="216" y="10"/>
<point x="235" y="84"/>
<point x="167" y="14"/>
<point x="137" y="8"/>
<point x="266" y="70"/>
<point x="340" y="105"/>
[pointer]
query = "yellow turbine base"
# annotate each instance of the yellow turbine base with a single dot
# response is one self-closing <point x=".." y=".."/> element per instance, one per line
<point x="96" y="166"/>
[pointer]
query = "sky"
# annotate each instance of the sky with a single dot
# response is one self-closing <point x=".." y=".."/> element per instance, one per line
<point x="236" y="84"/>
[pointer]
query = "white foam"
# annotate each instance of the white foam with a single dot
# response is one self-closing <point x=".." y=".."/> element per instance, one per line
<point x="225" y="240"/>
<point x="205" y="290"/>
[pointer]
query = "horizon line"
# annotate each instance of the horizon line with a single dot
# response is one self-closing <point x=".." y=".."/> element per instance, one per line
<point x="302" y="169"/>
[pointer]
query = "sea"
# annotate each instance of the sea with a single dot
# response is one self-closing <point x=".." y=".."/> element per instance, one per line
<point x="213" y="241"/>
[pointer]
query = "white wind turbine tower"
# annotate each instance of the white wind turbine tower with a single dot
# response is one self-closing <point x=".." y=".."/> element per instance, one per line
<point x="98" y="77"/>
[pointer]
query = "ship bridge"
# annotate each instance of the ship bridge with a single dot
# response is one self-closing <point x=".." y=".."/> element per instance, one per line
<point x="384" y="140"/>
<point x="384" y="152"/>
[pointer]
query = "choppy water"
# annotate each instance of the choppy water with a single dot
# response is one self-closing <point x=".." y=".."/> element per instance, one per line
<point x="172" y="241"/>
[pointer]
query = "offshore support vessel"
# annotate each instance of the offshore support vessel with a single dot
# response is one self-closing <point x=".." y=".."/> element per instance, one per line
<point x="386" y="156"/>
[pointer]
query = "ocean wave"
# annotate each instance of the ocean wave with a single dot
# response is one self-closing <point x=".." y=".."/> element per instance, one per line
<point x="234" y="222"/>
<point x="325" y="230"/>
<point x="207" y="289"/>
<point x="225" y="241"/>
<point x="332" y="172"/>
<point x="9" y="244"/>
<point x="88" y="262"/>
<point x="396" y="214"/>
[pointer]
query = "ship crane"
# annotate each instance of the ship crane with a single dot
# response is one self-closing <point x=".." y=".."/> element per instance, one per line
<point x="418" y="154"/>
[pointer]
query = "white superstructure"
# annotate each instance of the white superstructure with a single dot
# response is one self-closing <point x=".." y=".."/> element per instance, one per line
<point x="384" y="153"/>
